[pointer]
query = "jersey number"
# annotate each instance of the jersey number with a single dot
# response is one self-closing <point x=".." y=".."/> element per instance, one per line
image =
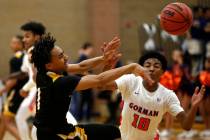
<point x="140" y="122"/>
<point x="38" y="98"/>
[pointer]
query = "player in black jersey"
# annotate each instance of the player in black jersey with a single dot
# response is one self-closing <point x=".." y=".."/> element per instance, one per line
<point x="55" y="89"/>
<point x="12" y="87"/>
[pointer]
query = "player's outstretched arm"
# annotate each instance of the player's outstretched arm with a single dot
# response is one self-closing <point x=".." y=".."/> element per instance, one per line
<point x="91" y="81"/>
<point x="9" y="84"/>
<point x="187" y="120"/>
<point x="110" y="50"/>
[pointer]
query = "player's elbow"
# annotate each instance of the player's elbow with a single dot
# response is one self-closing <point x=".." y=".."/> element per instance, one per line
<point x="186" y="127"/>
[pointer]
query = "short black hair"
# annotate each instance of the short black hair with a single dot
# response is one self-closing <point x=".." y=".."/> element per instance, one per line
<point x="41" y="54"/>
<point x="35" y="27"/>
<point x="19" y="37"/>
<point x="154" y="54"/>
<point x="87" y="45"/>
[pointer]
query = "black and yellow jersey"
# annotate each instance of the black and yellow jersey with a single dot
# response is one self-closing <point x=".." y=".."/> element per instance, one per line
<point x="14" y="99"/>
<point x="53" y="99"/>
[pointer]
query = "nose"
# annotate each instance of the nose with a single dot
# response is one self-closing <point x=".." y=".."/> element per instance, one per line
<point x="151" y="68"/>
<point x="66" y="57"/>
<point x="24" y="39"/>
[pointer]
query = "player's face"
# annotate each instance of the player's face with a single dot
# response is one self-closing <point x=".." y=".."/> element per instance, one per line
<point x="154" y="67"/>
<point x="16" y="44"/>
<point x="59" y="60"/>
<point x="29" y="39"/>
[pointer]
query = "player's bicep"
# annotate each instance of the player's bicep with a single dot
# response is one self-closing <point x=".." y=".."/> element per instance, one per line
<point x="173" y="103"/>
<point x="88" y="81"/>
<point x="110" y="86"/>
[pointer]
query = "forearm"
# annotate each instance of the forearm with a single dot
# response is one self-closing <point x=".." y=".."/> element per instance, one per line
<point x="113" y="74"/>
<point x="110" y="86"/>
<point x="85" y="65"/>
<point x="188" y="119"/>
<point x="91" y="63"/>
<point x="18" y="75"/>
<point x="8" y="85"/>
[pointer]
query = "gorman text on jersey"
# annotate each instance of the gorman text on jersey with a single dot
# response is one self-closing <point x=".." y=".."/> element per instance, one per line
<point x="143" y="110"/>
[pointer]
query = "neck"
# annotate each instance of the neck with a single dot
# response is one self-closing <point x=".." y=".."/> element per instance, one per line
<point x="150" y="88"/>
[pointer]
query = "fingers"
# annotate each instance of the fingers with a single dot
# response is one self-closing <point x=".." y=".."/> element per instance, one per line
<point x="115" y="59"/>
<point x="202" y="90"/>
<point x="196" y="90"/>
<point x="103" y="46"/>
<point x="113" y="44"/>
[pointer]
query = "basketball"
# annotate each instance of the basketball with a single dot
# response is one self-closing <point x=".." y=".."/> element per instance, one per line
<point x="176" y="18"/>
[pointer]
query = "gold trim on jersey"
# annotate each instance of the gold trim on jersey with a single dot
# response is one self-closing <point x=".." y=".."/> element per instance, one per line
<point x="6" y="111"/>
<point x="18" y="54"/>
<point x="79" y="132"/>
<point x="54" y="76"/>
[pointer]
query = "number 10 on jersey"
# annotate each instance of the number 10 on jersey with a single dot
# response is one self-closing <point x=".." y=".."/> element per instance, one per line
<point x="140" y="122"/>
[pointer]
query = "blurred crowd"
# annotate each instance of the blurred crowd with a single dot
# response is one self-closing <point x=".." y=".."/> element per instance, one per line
<point x="190" y="67"/>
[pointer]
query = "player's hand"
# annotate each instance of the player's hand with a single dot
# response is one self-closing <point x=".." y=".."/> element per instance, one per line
<point x="141" y="71"/>
<point x="114" y="44"/>
<point x="23" y="93"/>
<point x="198" y="96"/>
<point x="110" y="51"/>
<point x="111" y="63"/>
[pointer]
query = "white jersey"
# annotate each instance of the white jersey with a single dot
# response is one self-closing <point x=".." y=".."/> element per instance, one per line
<point x="143" y="110"/>
<point x="27" y="67"/>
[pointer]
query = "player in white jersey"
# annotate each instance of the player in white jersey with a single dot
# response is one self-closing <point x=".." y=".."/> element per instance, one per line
<point x="146" y="103"/>
<point x="32" y="31"/>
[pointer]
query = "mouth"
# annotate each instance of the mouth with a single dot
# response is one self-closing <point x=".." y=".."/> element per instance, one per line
<point x="152" y="75"/>
<point x="66" y="63"/>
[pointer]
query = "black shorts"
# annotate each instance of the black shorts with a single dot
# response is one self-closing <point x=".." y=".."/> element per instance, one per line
<point x="12" y="103"/>
<point x="92" y="132"/>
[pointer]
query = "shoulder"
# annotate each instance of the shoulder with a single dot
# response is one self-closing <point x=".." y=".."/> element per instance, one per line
<point x="165" y="91"/>
<point x="64" y="79"/>
<point x="129" y="77"/>
<point x="18" y="54"/>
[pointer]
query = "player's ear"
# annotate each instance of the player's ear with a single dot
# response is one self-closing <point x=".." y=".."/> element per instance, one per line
<point x="37" y="37"/>
<point x="48" y="66"/>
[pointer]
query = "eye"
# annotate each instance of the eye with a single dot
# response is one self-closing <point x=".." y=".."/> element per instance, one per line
<point x="147" y="65"/>
<point x="157" y="66"/>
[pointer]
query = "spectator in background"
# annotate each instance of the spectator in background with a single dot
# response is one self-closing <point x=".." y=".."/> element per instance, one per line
<point x="113" y="101"/>
<point x="85" y="105"/>
<point x="12" y="88"/>
<point x="178" y="79"/>
<point x="204" y="79"/>
<point x="192" y="45"/>
<point x="171" y="79"/>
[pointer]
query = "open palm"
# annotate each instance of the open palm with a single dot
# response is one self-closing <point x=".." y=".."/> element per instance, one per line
<point x="198" y="95"/>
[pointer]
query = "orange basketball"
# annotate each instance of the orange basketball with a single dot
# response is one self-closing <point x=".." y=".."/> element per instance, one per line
<point x="176" y="18"/>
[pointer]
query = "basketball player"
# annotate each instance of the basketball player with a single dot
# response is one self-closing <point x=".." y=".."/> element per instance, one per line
<point x="145" y="103"/>
<point x="55" y="89"/>
<point x="12" y="87"/>
<point x="32" y="31"/>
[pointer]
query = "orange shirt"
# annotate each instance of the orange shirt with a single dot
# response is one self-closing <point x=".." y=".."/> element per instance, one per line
<point x="204" y="78"/>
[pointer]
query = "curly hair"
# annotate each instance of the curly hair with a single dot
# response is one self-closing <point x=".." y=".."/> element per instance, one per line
<point x="35" y="27"/>
<point x="153" y="54"/>
<point x="41" y="54"/>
